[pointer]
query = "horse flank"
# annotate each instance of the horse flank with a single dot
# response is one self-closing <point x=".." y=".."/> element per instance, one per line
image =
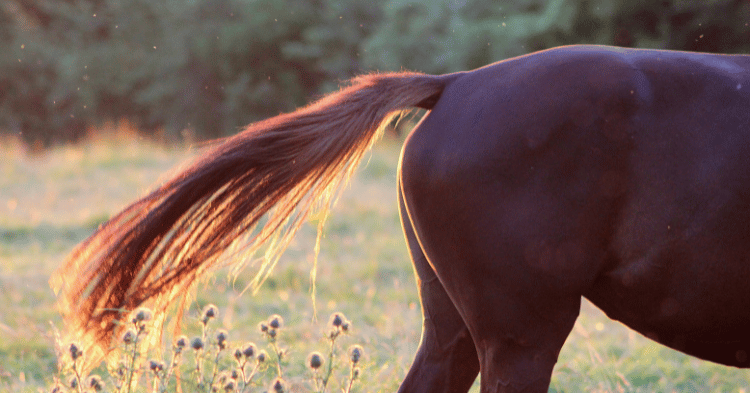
<point x="283" y="167"/>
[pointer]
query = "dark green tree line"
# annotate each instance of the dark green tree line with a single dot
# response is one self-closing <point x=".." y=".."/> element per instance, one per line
<point x="213" y="65"/>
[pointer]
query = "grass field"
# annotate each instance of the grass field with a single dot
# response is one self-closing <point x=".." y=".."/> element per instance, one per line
<point x="51" y="201"/>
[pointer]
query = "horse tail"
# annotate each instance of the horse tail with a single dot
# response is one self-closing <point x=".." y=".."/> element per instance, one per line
<point x="156" y="248"/>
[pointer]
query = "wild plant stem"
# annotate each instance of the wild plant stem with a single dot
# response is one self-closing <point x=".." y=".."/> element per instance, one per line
<point x="278" y="357"/>
<point x="216" y="369"/>
<point x="133" y="356"/>
<point x="155" y="387"/>
<point x="170" y="370"/>
<point x="316" y="381"/>
<point x="351" y="379"/>
<point x="331" y="356"/>
<point x="198" y="367"/>
<point x="242" y="373"/>
<point x="78" y="377"/>
<point x="250" y="379"/>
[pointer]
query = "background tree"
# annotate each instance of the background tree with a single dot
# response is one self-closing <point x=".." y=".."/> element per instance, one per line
<point x="210" y="66"/>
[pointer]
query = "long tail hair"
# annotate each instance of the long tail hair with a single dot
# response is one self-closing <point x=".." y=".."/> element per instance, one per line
<point x="156" y="248"/>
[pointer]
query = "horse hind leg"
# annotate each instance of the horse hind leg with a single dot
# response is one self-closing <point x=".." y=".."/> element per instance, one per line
<point x="518" y="308"/>
<point x="446" y="360"/>
<point x="517" y="321"/>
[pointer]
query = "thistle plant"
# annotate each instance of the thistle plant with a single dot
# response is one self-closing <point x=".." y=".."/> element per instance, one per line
<point x="337" y="325"/>
<point x="215" y="366"/>
<point x="248" y="356"/>
<point x="76" y="354"/>
<point x="278" y="385"/>
<point x="95" y="383"/>
<point x="157" y="369"/>
<point x="355" y="354"/>
<point x="132" y="339"/>
<point x="270" y="329"/>
<point x="221" y="345"/>
<point x="314" y="362"/>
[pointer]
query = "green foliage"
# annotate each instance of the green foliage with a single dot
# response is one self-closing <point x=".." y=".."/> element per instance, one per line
<point x="453" y="35"/>
<point x="179" y="68"/>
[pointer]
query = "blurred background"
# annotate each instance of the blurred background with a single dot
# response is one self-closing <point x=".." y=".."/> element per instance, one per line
<point x="204" y="68"/>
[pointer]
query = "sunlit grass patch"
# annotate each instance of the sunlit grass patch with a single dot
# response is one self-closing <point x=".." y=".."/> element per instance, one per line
<point x="52" y="200"/>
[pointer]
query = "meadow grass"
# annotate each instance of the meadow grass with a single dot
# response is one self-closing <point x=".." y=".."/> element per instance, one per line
<point x="52" y="200"/>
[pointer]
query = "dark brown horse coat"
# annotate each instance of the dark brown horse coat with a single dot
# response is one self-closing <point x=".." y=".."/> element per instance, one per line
<point x="616" y="174"/>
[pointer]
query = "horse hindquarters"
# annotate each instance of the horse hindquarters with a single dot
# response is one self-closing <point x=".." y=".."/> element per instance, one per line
<point x="517" y="333"/>
<point x="510" y="201"/>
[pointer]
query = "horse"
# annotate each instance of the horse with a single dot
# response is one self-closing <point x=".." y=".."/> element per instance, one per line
<point x="618" y="175"/>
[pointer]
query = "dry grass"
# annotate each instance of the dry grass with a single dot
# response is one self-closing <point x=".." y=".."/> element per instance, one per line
<point x="52" y="200"/>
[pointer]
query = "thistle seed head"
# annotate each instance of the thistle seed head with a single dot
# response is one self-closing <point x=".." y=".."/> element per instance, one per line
<point x="221" y="338"/>
<point x="278" y="385"/>
<point x="75" y="351"/>
<point x="315" y="360"/>
<point x="95" y="382"/>
<point x="262" y="356"/>
<point x="155" y="365"/>
<point x="275" y="321"/>
<point x="249" y="350"/>
<point x="141" y="314"/>
<point x="337" y="319"/>
<point x="209" y="312"/>
<point x="181" y="342"/>
<point x="129" y="336"/>
<point x="196" y="343"/>
<point x="355" y="353"/>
